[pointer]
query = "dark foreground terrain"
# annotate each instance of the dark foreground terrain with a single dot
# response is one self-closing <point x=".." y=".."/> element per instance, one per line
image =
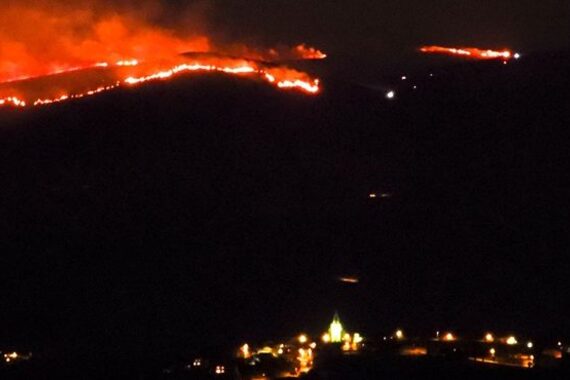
<point x="148" y="222"/>
<point x="357" y="368"/>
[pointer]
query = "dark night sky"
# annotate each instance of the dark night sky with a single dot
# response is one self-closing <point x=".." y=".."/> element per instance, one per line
<point x="372" y="27"/>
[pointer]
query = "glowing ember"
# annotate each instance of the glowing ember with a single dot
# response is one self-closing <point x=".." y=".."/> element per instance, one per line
<point x="307" y="85"/>
<point x="132" y="62"/>
<point x="468" y="52"/>
<point x="312" y="88"/>
<point x="349" y="280"/>
<point x="12" y="100"/>
<point x="307" y="52"/>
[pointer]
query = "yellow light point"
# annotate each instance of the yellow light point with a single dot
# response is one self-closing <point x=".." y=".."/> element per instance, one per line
<point x="313" y="345"/>
<point x="245" y="350"/>
<point x="529" y="345"/>
<point x="449" y="337"/>
<point x="372" y="195"/>
<point x="266" y="350"/>
<point x="399" y="334"/>
<point x="512" y="341"/>
<point x="280" y="351"/>
<point x="346" y="337"/>
<point x="492" y="351"/>
<point x="302" y="338"/>
<point x="489" y="338"/>
<point x="326" y="338"/>
<point x="357" y="338"/>
<point x="305" y="359"/>
<point x="346" y="346"/>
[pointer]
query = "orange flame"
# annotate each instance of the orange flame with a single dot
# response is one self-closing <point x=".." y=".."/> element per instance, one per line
<point x="45" y="38"/>
<point x="51" y="53"/>
<point x="40" y="91"/>
<point x="468" y="52"/>
<point x="279" y="53"/>
<point x="307" y="52"/>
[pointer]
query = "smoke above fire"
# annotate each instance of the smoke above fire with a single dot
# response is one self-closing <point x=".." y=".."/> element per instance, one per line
<point x="39" y="39"/>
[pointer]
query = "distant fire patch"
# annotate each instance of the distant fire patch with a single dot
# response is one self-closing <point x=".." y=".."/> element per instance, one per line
<point x="470" y="52"/>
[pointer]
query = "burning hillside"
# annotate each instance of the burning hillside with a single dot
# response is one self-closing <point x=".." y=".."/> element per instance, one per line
<point x="81" y="50"/>
<point x="107" y="76"/>
<point x="470" y="52"/>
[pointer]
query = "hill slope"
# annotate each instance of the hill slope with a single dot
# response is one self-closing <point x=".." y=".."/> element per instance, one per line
<point x="177" y="214"/>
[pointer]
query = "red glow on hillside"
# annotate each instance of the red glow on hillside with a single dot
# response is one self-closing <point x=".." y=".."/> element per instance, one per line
<point x="468" y="52"/>
<point x="51" y="52"/>
<point x="106" y="76"/>
<point x="307" y="52"/>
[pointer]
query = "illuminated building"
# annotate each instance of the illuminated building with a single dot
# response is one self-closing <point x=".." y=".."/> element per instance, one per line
<point x="336" y="329"/>
<point x="14" y="356"/>
<point x="244" y="350"/>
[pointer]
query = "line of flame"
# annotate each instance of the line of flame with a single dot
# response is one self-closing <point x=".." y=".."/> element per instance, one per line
<point x="305" y="86"/>
<point x="470" y="52"/>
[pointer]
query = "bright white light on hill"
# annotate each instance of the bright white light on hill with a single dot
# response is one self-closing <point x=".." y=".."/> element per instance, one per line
<point x="390" y="95"/>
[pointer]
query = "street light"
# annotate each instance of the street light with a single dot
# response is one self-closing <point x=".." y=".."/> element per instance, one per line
<point x="399" y="334"/>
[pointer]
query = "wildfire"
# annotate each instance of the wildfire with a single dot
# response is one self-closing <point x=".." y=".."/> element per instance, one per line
<point x="12" y="100"/>
<point x="469" y="52"/>
<point x="132" y="73"/>
<point x="307" y="52"/>
<point x="56" y="51"/>
<point x="309" y="86"/>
